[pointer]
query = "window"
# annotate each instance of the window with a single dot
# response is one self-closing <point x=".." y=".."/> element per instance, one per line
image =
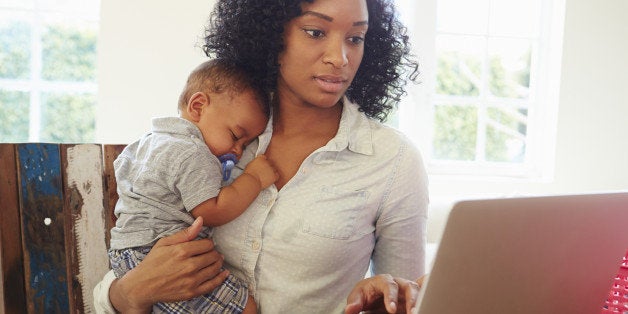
<point x="48" y="70"/>
<point x="487" y="101"/>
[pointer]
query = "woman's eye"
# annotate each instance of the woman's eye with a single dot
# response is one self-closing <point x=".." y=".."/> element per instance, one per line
<point x="356" y="40"/>
<point x="314" y="33"/>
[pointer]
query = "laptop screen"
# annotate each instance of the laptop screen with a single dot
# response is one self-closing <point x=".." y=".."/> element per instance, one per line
<point x="546" y="254"/>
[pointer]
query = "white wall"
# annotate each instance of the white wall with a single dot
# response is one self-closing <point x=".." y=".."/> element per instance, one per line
<point x="147" y="48"/>
<point x="593" y="116"/>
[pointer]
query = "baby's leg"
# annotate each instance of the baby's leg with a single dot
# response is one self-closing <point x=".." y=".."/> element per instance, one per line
<point x="251" y="307"/>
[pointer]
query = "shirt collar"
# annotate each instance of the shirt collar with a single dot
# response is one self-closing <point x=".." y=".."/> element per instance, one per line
<point x="354" y="132"/>
<point x="175" y="125"/>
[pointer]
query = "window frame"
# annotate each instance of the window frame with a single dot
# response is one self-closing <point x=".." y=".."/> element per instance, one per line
<point x="37" y="14"/>
<point x="416" y="111"/>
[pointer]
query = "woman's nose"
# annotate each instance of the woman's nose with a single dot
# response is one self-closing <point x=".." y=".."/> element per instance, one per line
<point x="336" y="54"/>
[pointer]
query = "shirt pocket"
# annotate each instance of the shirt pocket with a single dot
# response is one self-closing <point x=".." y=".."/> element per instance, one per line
<point x="334" y="213"/>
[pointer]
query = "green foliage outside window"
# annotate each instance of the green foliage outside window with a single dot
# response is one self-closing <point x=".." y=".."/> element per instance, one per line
<point x="14" y="116"/>
<point x="503" y="146"/>
<point x="68" y="56"/>
<point x="68" y="118"/>
<point x="15" y="43"/>
<point x="456" y="124"/>
<point x="455" y="129"/>
<point x="453" y="76"/>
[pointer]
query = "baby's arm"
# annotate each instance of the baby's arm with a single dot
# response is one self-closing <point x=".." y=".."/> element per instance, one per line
<point x="234" y="199"/>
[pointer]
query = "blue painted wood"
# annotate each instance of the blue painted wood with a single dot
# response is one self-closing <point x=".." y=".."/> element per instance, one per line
<point x="41" y="208"/>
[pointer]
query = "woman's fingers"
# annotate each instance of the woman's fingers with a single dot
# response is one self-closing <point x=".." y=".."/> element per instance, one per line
<point x="188" y="234"/>
<point x="410" y="291"/>
<point x="213" y="283"/>
<point x="384" y="294"/>
<point x="378" y="294"/>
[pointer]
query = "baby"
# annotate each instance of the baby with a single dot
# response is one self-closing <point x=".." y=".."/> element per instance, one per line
<point x="173" y="175"/>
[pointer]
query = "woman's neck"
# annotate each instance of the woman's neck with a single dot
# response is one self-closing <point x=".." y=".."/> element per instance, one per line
<point x="299" y="130"/>
<point x="306" y="120"/>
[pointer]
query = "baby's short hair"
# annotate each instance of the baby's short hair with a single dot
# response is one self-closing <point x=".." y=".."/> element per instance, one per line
<point x="218" y="76"/>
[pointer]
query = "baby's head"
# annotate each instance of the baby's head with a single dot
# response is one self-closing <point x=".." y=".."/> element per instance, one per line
<point x="228" y="108"/>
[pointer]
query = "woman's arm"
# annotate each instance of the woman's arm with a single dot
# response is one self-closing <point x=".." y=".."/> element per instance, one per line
<point x="175" y="269"/>
<point x="400" y="243"/>
<point x="400" y="234"/>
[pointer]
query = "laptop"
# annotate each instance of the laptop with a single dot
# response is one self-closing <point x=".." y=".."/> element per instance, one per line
<point x="532" y="255"/>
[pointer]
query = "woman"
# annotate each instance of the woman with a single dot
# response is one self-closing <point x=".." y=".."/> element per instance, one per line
<point x="351" y="190"/>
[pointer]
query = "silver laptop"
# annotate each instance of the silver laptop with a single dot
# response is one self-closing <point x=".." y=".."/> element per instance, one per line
<point x="534" y="255"/>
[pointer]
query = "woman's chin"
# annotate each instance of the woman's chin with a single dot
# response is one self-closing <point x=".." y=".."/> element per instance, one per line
<point x="327" y="101"/>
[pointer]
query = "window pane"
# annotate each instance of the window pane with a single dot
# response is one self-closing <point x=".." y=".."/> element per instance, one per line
<point x="14" y="108"/>
<point x="506" y="133"/>
<point x="455" y="132"/>
<point x="69" y="53"/>
<point x="459" y="69"/>
<point x="463" y="16"/>
<point x="18" y="4"/>
<point x="15" y="55"/>
<point x="516" y="18"/>
<point x="393" y="119"/>
<point x="68" y="118"/>
<point x="510" y="62"/>
<point x="84" y="9"/>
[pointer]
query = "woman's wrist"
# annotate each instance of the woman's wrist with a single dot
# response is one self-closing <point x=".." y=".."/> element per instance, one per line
<point x="125" y="298"/>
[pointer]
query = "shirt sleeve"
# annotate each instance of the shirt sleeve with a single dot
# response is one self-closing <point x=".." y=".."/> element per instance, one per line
<point x="198" y="178"/>
<point x="102" y="304"/>
<point x="401" y="226"/>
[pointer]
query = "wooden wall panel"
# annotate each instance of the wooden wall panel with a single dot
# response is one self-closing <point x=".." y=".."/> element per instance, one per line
<point x="85" y="227"/>
<point x="41" y="210"/>
<point x="110" y="153"/>
<point x="11" y="263"/>
<point x="56" y="210"/>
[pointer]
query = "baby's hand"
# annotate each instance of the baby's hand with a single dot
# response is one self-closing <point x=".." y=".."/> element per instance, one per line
<point x="262" y="169"/>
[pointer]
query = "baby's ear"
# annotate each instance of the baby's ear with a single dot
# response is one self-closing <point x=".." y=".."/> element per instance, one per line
<point x="196" y="104"/>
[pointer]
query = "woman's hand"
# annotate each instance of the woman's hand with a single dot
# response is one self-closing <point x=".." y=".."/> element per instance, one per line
<point x="175" y="269"/>
<point x="384" y="294"/>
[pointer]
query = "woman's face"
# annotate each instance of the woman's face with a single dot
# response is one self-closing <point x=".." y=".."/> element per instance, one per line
<point x="323" y="48"/>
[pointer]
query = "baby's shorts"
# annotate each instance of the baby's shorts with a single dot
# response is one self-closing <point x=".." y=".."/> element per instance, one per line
<point x="230" y="297"/>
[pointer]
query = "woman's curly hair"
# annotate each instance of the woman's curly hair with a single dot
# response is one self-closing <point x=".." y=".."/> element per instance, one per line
<point x="250" y="33"/>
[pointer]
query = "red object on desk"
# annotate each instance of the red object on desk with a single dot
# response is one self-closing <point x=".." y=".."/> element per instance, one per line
<point x="617" y="301"/>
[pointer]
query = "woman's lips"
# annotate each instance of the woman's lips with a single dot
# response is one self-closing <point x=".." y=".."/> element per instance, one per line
<point x="330" y="84"/>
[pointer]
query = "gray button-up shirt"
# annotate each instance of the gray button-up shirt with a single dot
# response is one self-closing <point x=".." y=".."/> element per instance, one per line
<point x="158" y="178"/>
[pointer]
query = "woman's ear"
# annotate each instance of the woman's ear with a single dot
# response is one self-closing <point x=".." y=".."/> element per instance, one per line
<point x="198" y="101"/>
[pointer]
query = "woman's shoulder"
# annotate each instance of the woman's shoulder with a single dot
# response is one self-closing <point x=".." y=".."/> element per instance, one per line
<point x="384" y="134"/>
<point x="375" y="136"/>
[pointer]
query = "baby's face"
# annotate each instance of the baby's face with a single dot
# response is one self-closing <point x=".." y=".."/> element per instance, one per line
<point x="231" y="121"/>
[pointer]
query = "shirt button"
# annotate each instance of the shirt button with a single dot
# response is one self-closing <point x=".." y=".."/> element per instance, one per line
<point x="255" y="245"/>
